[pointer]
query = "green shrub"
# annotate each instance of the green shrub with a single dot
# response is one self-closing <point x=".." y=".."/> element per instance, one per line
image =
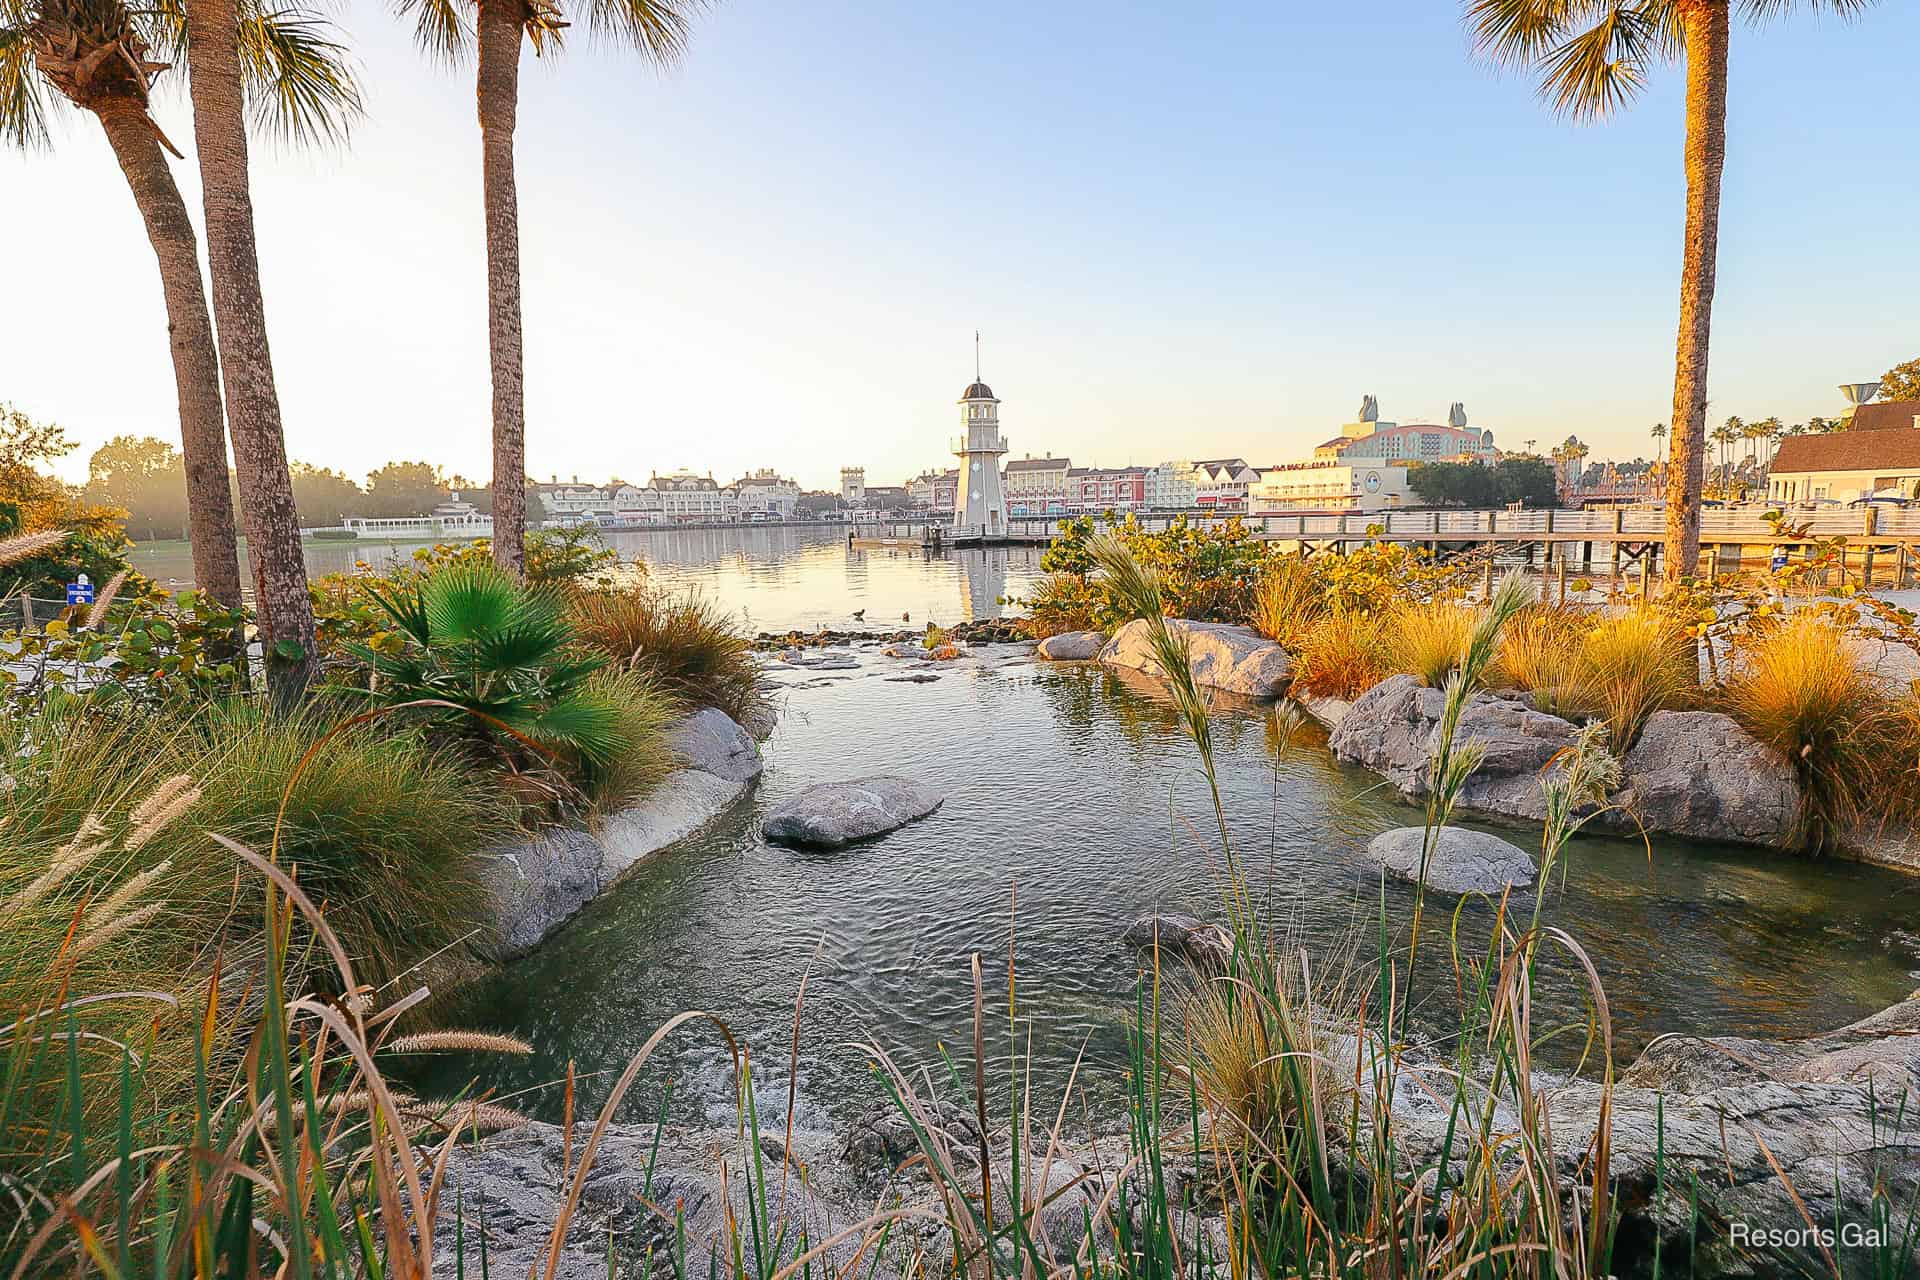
<point x="380" y="825"/>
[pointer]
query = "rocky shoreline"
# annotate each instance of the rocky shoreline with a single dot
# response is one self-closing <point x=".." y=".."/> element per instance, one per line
<point x="1694" y="774"/>
<point x="1724" y="1121"/>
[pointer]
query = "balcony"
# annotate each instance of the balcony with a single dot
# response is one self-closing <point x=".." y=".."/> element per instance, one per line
<point x="995" y="443"/>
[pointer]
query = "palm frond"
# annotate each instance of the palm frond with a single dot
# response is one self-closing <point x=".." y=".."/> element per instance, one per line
<point x="1760" y="11"/>
<point x="23" y="107"/>
<point x="1599" y="70"/>
<point x="657" y="29"/>
<point x="299" y="79"/>
<point x="443" y="28"/>
<point x="462" y="602"/>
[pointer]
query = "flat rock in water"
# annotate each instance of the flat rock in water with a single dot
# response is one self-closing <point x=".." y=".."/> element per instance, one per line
<point x="1072" y="646"/>
<point x="1205" y="946"/>
<point x="1227" y="657"/>
<point x="830" y="814"/>
<point x="1462" y="861"/>
<point x="820" y="660"/>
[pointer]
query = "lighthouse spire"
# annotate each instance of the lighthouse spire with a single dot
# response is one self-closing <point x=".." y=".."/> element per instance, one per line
<point x="976" y="355"/>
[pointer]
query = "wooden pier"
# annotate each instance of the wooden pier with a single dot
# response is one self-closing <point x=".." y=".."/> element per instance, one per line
<point x="1617" y="539"/>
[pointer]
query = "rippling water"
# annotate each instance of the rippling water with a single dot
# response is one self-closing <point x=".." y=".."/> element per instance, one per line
<point x="1074" y="806"/>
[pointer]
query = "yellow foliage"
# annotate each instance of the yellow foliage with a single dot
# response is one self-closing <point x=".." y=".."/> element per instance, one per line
<point x="1342" y="656"/>
<point x="1427" y="639"/>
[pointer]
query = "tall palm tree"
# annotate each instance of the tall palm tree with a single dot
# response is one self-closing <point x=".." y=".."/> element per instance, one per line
<point x="448" y="29"/>
<point x="217" y="64"/>
<point x="1592" y="57"/>
<point x="95" y="55"/>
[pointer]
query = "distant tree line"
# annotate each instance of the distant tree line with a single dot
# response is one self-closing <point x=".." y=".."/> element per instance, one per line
<point x="1471" y="484"/>
<point x="147" y="479"/>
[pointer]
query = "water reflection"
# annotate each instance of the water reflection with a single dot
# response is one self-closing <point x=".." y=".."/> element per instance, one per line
<point x="780" y="577"/>
<point x="1072" y="791"/>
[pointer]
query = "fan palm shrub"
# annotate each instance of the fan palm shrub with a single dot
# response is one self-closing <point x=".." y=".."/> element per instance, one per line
<point x="494" y="665"/>
<point x="1800" y="688"/>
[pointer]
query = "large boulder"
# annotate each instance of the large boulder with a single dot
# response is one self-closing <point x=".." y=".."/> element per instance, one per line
<point x="1462" y="861"/>
<point x="533" y="886"/>
<point x="709" y="740"/>
<point x="1699" y="774"/>
<point x="830" y="814"/>
<point x="1072" y="646"/>
<point x="1223" y="656"/>
<point x="1391" y="729"/>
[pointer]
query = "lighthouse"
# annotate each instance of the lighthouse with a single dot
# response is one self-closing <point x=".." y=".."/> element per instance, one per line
<point x="980" y="501"/>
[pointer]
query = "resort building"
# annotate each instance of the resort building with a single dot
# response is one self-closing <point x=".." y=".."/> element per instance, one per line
<point x="1037" y="486"/>
<point x="686" y="498"/>
<point x="1846" y="466"/>
<point x="853" y="485"/>
<point x="1170" y="486"/>
<point x="573" y="503"/>
<point x="1885" y="416"/>
<point x="766" y="495"/>
<point x="1369" y="440"/>
<point x="1221" y="484"/>
<point x="1097" y="489"/>
<point x="1329" y="485"/>
<point x="454" y="518"/>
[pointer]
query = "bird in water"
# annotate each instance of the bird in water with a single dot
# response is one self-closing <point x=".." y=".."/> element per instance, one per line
<point x="859" y="615"/>
<point x="905" y="618"/>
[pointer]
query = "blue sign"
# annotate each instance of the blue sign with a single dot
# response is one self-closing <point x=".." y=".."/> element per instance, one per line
<point x="1779" y="557"/>
<point x="80" y="593"/>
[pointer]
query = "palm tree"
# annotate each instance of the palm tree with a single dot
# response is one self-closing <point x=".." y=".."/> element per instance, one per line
<point x="1593" y="56"/>
<point x="217" y="59"/>
<point x="94" y="55"/>
<point x="447" y="29"/>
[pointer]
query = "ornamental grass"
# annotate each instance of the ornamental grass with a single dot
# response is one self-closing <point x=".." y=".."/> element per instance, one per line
<point x="1798" y="686"/>
<point x="1344" y="654"/>
<point x="1629" y="666"/>
<point x="681" y="644"/>
<point x="1427" y="639"/>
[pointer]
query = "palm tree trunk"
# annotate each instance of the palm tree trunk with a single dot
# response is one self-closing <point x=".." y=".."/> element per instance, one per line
<point x="253" y="405"/>
<point x="196" y="370"/>
<point x="1705" y="25"/>
<point x="498" y="94"/>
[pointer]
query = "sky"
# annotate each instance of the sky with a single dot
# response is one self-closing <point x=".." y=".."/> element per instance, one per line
<point x="1182" y="231"/>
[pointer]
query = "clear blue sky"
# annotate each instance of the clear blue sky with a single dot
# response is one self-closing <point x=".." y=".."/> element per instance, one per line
<point x="1183" y="230"/>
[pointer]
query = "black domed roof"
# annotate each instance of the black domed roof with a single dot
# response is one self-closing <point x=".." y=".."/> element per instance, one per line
<point x="977" y="391"/>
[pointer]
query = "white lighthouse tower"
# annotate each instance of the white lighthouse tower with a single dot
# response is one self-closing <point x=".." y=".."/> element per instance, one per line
<point x="980" y="502"/>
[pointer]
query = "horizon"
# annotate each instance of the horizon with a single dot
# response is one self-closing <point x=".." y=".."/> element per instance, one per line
<point x="1196" y="236"/>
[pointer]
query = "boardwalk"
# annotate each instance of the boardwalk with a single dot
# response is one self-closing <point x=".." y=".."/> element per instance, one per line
<point x="1627" y="537"/>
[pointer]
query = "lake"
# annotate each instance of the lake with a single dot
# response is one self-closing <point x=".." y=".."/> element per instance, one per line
<point x="1074" y="805"/>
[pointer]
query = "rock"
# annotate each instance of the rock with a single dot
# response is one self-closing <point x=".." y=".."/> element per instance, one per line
<point x="1462" y="861"/>
<point x="1328" y="711"/>
<point x="1391" y="729"/>
<point x="1223" y="657"/>
<point x="881" y="1138"/>
<point x="825" y="660"/>
<point x="685" y="801"/>
<point x="1208" y="947"/>
<point x="508" y="1189"/>
<point x="830" y="814"/>
<point x="709" y="740"/>
<point x="1072" y="646"/>
<point x="914" y="677"/>
<point x="1699" y="774"/>
<point x="534" y="886"/>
